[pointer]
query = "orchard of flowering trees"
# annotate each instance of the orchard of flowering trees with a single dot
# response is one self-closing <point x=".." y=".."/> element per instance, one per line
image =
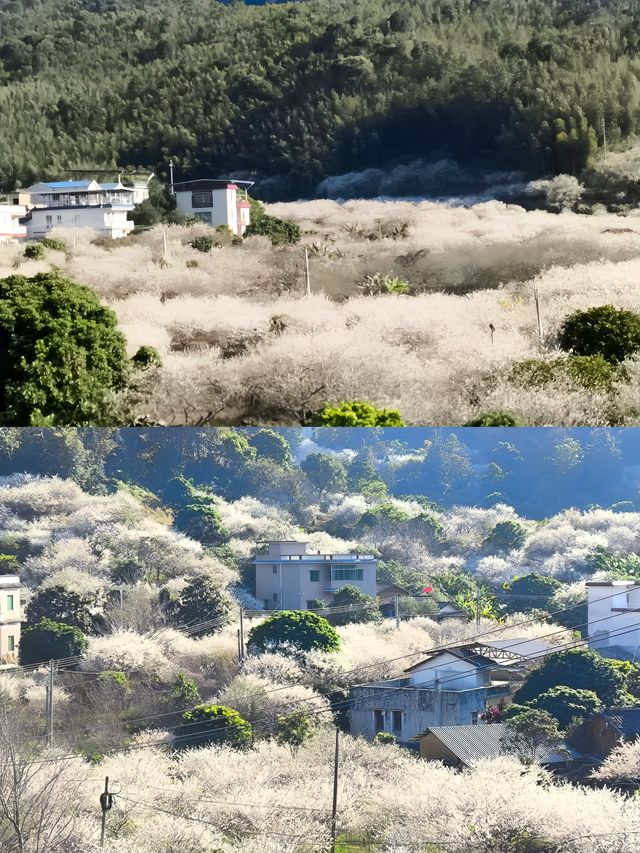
<point x="135" y="556"/>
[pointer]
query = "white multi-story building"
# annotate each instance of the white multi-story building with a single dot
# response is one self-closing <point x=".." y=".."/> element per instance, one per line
<point x="10" y="615"/>
<point x="215" y="202"/>
<point x="288" y="577"/>
<point x="614" y="618"/>
<point x="11" y="226"/>
<point x="102" y="208"/>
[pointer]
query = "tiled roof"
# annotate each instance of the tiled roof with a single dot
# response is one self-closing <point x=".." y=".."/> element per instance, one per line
<point x="475" y="743"/>
<point x="626" y="720"/>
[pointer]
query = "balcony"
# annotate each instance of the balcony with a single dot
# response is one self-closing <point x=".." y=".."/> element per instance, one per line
<point x="316" y="558"/>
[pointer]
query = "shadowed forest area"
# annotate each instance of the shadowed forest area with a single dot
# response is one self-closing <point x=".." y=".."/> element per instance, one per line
<point x="291" y="93"/>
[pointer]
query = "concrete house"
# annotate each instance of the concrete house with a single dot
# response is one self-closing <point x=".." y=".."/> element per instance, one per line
<point x="11" y="225"/>
<point x="215" y="202"/>
<point x="452" y="687"/>
<point x="10" y="615"/>
<point x="613" y="613"/>
<point x="289" y="577"/>
<point x="86" y="204"/>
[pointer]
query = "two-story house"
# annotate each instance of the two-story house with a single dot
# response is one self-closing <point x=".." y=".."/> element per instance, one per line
<point x="452" y="687"/>
<point x="289" y="577"/>
<point x="215" y="202"/>
<point x="10" y="615"/>
<point x="102" y="208"/>
<point x="613" y="614"/>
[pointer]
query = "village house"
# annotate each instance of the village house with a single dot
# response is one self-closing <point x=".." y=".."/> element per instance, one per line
<point x="215" y="202"/>
<point x="11" y="226"/>
<point x="601" y="733"/>
<point x="613" y="613"/>
<point x="289" y="577"/>
<point x="10" y="616"/>
<point x="86" y="204"/>
<point x="390" y="602"/>
<point x="451" y="687"/>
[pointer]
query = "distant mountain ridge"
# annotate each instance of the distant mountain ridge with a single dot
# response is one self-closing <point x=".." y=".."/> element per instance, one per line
<point x="293" y="92"/>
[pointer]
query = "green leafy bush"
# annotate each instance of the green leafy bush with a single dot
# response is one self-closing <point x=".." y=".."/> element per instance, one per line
<point x="277" y="230"/>
<point x="207" y="724"/>
<point x="494" y="419"/>
<point x="379" y="284"/>
<point x="567" y="704"/>
<point x="592" y="372"/>
<point x="146" y="357"/>
<point x="49" y="640"/>
<point x="34" y="251"/>
<point x="54" y="244"/>
<point x="610" y="332"/>
<point x="61" y="354"/>
<point x="385" y="738"/>
<point x="202" y="243"/>
<point x="299" y="629"/>
<point x="356" y="414"/>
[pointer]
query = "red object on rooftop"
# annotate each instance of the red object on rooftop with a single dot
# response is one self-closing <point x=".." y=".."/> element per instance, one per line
<point x="428" y="589"/>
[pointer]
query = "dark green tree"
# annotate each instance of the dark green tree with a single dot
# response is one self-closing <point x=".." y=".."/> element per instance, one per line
<point x="575" y="668"/>
<point x="324" y="472"/>
<point x="298" y="630"/>
<point x="49" y="640"/>
<point x="294" y="729"/>
<point x="272" y="445"/>
<point x="201" y="601"/>
<point x="506" y="536"/>
<point x="613" y="333"/>
<point x="531" y="734"/>
<point x="60" y="604"/>
<point x="61" y="355"/>
<point x="365" y="607"/>
<point x="565" y="704"/>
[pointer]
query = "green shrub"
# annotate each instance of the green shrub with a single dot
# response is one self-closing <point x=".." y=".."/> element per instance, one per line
<point x="202" y="243"/>
<point x="146" y="357"/>
<point x="356" y="414"/>
<point x="611" y="332"/>
<point x="54" y="244"/>
<point x="385" y="738"/>
<point x="277" y="230"/>
<point x="592" y="372"/>
<point x="209" y="724"/>
<point x="34" y="251"/>
<point x="494" y="419"/>
<point x="61" y="354"/>
<point x="378" y="285"/>
<point x="191" y="264"/>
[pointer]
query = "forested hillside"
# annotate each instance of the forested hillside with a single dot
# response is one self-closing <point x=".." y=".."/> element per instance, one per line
<point x="536" y="471"/>
<point x="293" y="92"/>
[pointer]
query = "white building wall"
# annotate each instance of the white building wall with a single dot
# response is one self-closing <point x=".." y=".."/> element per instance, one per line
<point x="450" y="672"/>
<point x="10" y="616"/>
<point x="108" y="221"/>
<point x="222" y="212"/>
<point x="10" y="215"/>
<point x="614" y="615"/>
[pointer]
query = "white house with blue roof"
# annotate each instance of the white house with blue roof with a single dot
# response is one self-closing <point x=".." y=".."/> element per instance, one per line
<point x="78" y="204"/>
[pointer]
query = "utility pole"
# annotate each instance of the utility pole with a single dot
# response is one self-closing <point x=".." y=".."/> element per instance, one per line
<point x="50" y="703"/>
<point x="164" y="242"/>
<point x="397" y="609"/>
<point x="307" y="279"/>
<point x="477" y="604"/>
<point x="334" y="807"/>
<point x="106" y="801"/>
<point x="604" y="137"/>
<point x="536" y="296"/>
<point x="242" y="655"/>
<point x="171" y="175"/>
<point x="75" y="238"/>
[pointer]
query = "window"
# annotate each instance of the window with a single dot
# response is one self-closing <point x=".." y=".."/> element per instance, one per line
<point x="397" y="722"/>
<point x="345" y="573"/>
<point x="49" y="221"/>
<point x="378" y="721"/>
<point x="58" y="218"/>
<point x="203" y="216"/>
<point x="274" y="569"/>
<point x="311" y="605"/>
<point x="474" y="718"/>
<point x="275" y="596"/>
<point x="9" y="602"/>
<point x="11" y="643"/>
<point x="314" y="575"/>
<point x="202" y="199"/>
<point x="266" y="603"/>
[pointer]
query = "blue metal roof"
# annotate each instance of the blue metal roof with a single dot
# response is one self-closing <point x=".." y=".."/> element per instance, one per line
<point x="68" y="185"/>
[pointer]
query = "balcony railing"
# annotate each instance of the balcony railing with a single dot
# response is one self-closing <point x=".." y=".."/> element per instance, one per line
<point x="315" y="558"/>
